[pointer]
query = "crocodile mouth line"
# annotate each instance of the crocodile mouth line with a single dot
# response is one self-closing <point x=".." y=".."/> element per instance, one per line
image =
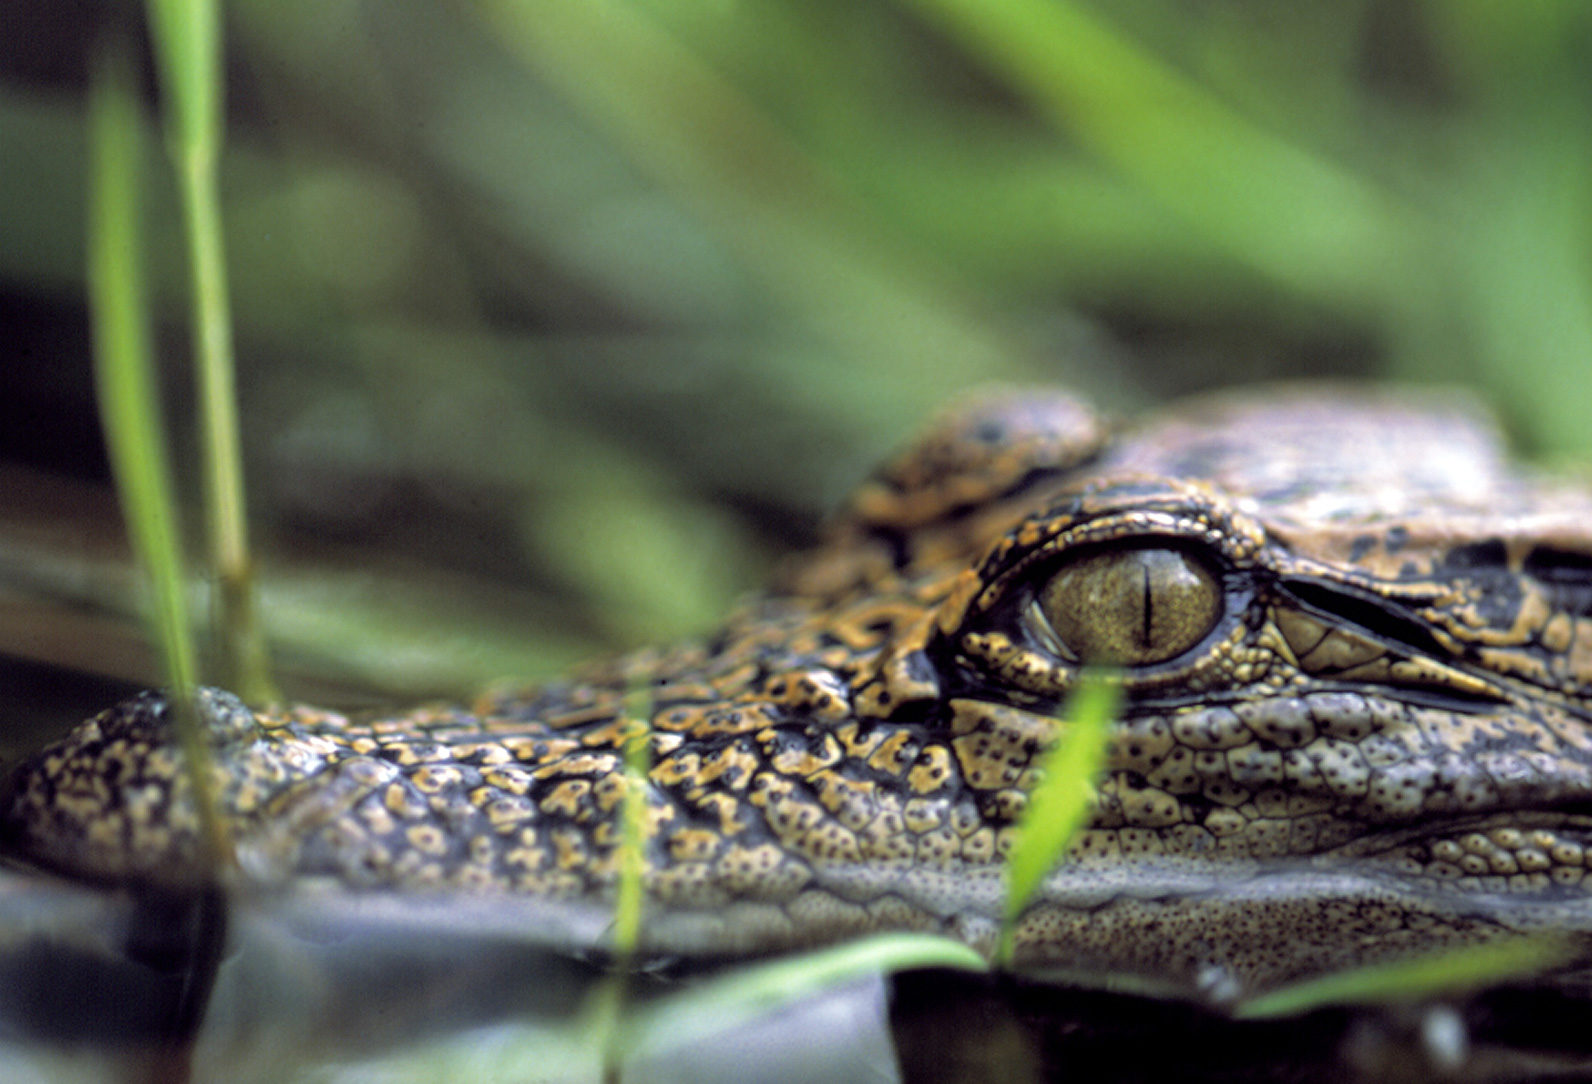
<point x="1573" y="817"/>
<point x="1458" y="701"/>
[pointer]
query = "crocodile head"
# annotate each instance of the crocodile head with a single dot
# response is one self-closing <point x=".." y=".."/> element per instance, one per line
<point x="1354" y="643"/>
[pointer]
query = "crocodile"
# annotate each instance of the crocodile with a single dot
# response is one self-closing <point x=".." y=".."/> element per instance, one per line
<point x="1353" y="641"/>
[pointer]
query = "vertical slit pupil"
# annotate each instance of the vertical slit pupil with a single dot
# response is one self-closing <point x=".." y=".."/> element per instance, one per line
<point x="1088" y="605"/>
<point x="1149" y="606"/>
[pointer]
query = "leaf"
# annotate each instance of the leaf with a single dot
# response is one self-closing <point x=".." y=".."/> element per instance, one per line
<point x="130" y="408"/>
<point x="1415" y="978"/>
<point x="1059" y="805"/>
<point x="187" y="40"/>
<point x="744" y="994"/>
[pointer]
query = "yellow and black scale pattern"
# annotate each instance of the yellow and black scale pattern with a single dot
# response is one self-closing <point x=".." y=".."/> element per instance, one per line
<point x="1355" y="643"/>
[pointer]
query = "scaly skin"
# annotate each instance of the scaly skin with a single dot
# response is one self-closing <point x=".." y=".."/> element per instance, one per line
<point x="1356" y="652"/>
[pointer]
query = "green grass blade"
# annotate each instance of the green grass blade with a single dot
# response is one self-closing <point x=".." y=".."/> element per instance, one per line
<point x="187" y="48"/>
<point x="1429" y="975"/>
<point x="129" y="408"/>
<point x="685" y="1018"/>
<point x="748" y="992"/>
<point x="711" y="147"/>
<point x="187" y="40"/>
<point x="609" y="1002"/>
<point x="633" y="827"/>
<point x="1291" y="214"/>
<point x="1060" y="804"/>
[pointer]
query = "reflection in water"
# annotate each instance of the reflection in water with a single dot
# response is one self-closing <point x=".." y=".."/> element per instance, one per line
<point x="102" y="986"/>
<point x="338" y="988"/>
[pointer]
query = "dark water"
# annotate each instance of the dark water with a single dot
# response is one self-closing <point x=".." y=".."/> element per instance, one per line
<point x="108" y="986"/>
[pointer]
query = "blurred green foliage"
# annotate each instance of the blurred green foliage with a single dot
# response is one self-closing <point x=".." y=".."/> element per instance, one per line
<point x="1449" y="973"/>
<point x="558" y="321"/>
<point x="573" y="314"/>
<point x="1061" y="801"/>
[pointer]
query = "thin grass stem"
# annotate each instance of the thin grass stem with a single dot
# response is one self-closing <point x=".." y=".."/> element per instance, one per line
<point x="187" y="45"/>
<point x="130" y="410"/>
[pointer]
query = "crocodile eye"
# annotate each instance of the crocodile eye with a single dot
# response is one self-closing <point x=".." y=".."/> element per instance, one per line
<point x="1128" y="607"/>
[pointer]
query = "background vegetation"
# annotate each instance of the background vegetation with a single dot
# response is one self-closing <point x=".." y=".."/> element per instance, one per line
<point x="558" y="322"/>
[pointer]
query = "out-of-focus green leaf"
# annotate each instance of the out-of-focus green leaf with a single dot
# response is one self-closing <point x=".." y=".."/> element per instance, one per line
<point x="130" y="408"/>
<point x="1436" y="974"/>
<point x="776" y="206"/>
<point x="1275" y="204"/>
<point x="187" y="47"/>
<point x="188" y="51"/>
<point x="1060" y="803"/>
<point x="746" y="993"/>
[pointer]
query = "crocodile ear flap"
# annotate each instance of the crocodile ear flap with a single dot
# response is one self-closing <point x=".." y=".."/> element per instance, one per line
<point x="934" y="503"/>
